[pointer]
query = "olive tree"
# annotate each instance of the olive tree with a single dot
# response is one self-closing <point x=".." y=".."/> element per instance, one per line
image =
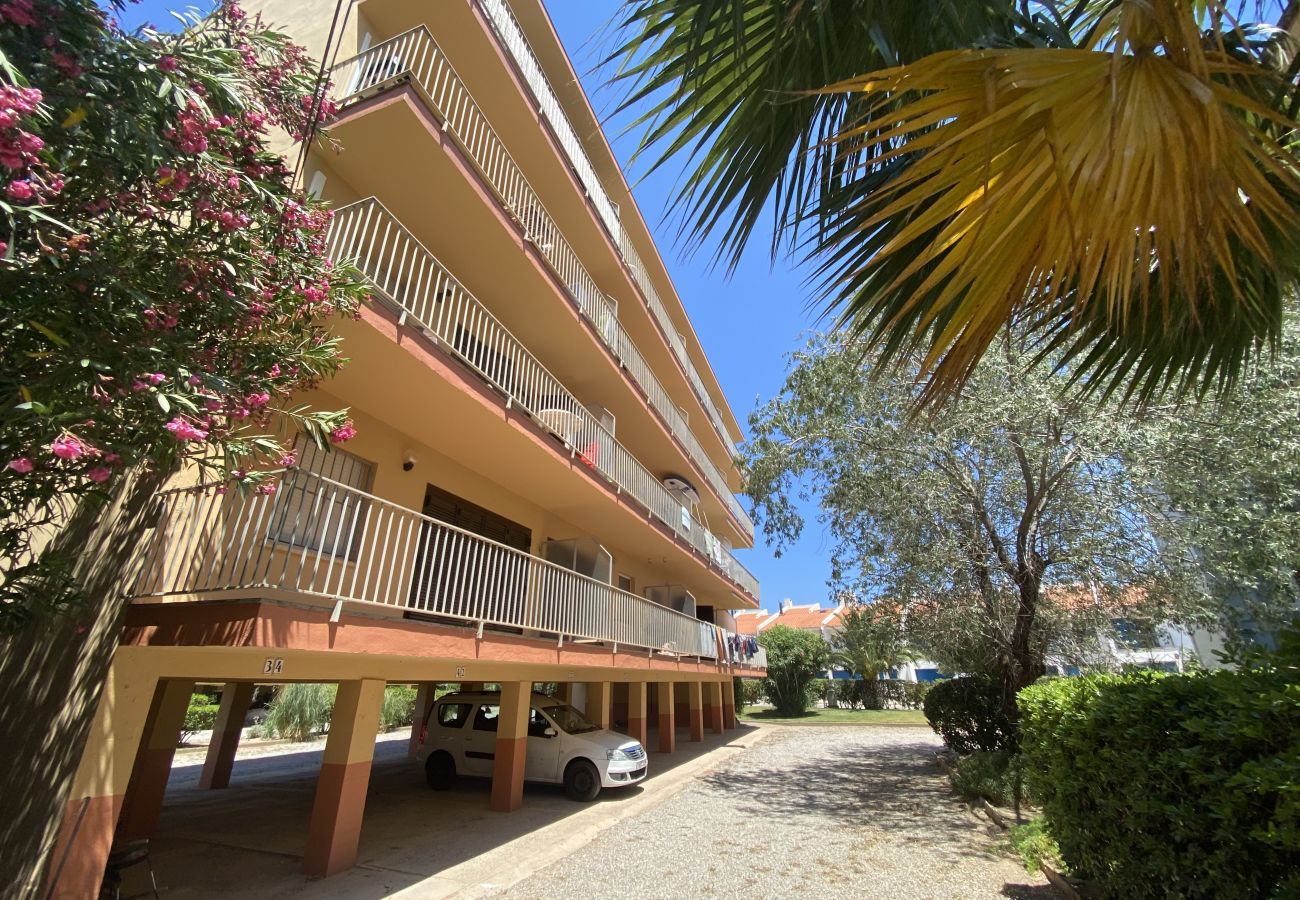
<point x="969" y="517"/>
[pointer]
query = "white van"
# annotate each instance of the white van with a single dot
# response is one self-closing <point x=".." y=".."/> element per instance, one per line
<point x="458" y="737"/>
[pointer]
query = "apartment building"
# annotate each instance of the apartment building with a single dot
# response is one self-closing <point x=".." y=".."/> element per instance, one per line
<point x="542" y="485"/>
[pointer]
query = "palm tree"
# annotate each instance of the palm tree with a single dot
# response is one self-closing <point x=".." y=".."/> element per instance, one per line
<point x="870" y="642"/>
<point x="1117" y="178"/>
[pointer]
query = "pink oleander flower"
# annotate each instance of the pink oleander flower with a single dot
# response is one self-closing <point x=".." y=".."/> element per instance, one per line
<point x="344" y="432"/>
<point x="100" y="474"/>
<point x="20" y="190"/>
<point x="289" y="460"/>
<point x="185" y="431"/>
<point x="22" y="465"/>
<point x="266" y="489"/>
<point x="258" y="400"/>
<point x="168" y="64"/>
<point x="68" y="447"/>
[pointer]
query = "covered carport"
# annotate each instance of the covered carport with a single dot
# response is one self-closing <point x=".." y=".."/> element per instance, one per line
<point x="250" y="839"/>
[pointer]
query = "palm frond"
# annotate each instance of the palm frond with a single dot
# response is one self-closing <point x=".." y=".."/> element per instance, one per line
<point x="728" y="85"/>
<point x="1137" y="204"/>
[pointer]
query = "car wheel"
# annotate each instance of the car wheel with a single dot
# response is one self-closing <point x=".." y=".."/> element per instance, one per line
<point x="440" y="770"/>
<point x="581" y="781"/>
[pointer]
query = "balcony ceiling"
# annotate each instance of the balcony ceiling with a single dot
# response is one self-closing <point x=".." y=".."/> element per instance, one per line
<point x="462" y="418"/>
<point x="390" y="152"/>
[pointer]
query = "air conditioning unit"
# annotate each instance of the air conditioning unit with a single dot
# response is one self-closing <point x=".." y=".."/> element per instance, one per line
<point x="673" y="596"/>
<point x="582" y="555"/>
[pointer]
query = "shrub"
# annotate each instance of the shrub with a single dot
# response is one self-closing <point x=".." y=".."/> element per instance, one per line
<point x="200" y="715"/>
<point x="967" y="712"/>
<point x="299" y="711"/>
<point x="399" y="707"/>
<point x="1032" y="842"/>
<point x="1180" y="785"/>
<point x="751" y="692"/>
<point x="794" y="658"/>
<point x="902" y="694"/>
<point x="995" y="777"/>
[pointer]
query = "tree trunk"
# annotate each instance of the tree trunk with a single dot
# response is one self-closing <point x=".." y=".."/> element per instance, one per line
<point x="53" y="672"/>
<point x="1024" y="665"/>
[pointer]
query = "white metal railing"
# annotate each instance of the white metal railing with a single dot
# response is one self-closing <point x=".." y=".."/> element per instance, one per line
<point x="318" y="537"/>
<point x="426" y="295"/>
<point x="503" y="21"/>
<point x="415" y="55"/>
<point x="512" y="37"/>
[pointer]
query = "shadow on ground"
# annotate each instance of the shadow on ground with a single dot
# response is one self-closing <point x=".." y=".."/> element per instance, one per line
<point x="248" y="840"/>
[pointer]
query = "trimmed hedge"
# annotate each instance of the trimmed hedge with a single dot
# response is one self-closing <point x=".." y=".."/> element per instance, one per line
<point x="1172" y="786"/>
<point x="967" y="713"/>
<point x="200" y="715"/>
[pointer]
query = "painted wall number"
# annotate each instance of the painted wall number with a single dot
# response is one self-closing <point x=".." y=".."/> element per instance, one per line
<point x="272" y="666"/>
<point x="460" y="671"/>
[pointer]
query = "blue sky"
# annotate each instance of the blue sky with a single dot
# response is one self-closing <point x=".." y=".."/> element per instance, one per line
<point x="747" y="321"/>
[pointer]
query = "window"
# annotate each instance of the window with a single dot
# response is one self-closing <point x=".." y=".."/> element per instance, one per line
<point x="627" y="583"/>
<point x="453" y="715"/>
<point x="537" y="724"/>
<point x="488" y="718"/>
<point x="316" y="515"/>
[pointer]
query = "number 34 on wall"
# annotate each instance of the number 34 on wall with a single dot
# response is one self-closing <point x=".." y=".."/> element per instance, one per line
<point x="272" y="666"/>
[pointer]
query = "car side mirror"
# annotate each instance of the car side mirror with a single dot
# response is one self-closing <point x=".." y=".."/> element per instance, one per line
<point x="550" y="732"/>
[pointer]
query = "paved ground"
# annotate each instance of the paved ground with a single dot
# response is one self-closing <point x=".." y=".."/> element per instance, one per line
<point x="762" y="812"/>
<point x="810" y="812"/>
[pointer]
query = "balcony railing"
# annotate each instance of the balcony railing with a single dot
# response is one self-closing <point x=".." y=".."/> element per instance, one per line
<point x="514" y="40"/>
<point x="416" y="57"/>
<point x="319" y="538"/>
<point x="427" y="296"/>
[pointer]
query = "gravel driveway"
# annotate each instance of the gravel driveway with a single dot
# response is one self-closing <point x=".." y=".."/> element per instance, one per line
<point x="853" y="812"/>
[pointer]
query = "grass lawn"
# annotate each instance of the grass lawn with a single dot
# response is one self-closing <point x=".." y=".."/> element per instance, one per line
<point x="817" y="716"/>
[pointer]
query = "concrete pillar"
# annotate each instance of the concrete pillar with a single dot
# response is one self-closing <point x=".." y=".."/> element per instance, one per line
<point x="424" y="692"/>
<point x="598" y="702"/>
<point x="340" y="801"/>
<point x="235" y="698"/>
<point x="565" y="691"/>
<point x="714" y="689"/>
<point x="728" y="704"/>
<point x="667" y="717"/>
<point x="153" y="762"/>
<point x="511" y="747"/>
<point x="695" y="702"/>
<point x="90" y="817"/>
<point x="636" y="711"/>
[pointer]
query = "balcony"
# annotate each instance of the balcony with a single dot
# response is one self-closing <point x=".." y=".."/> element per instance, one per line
<point x="427" y="298"/>
<point x="511" y="36"/>
<point x="317" y="538"/>
<point x="414" y="58"/>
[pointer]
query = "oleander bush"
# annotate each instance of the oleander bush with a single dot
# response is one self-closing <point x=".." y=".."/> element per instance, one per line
<point x="1173" y="785"/>
<point x="967" y="713"/>
<point x="794" y="658"/>
<point x="750" y="692"/>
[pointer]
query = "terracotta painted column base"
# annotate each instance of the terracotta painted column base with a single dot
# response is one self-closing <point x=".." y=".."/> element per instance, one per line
<point x="220" y="760"/>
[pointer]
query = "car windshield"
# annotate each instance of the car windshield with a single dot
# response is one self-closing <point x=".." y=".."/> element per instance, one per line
<point x="570" y="720"/>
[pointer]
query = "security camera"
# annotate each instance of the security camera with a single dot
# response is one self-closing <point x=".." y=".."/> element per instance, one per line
<point x="408" y="461"/>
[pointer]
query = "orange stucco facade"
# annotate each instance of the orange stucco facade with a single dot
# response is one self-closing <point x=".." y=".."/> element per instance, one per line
<point x="542" y="487"/>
